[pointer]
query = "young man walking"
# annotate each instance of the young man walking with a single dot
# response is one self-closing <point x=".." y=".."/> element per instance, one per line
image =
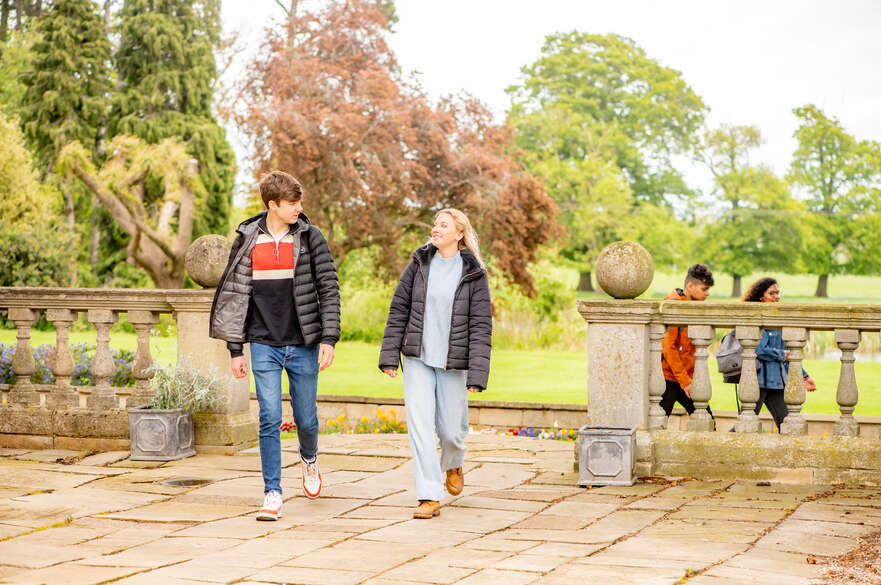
<point x="280" y="293"/>
<point x="677" y="351"/>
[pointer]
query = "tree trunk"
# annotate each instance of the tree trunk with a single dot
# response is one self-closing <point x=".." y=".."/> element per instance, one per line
<point x="4" y="20"/>
<point x="71" y="225"/>
<point x="735" y="287"/>
<point x="19" y="14"/>
<point x="38" y="8"/>
<point x="95" y="240"/>
<point x="584" y="281"/>
<point x="822" y="286"/>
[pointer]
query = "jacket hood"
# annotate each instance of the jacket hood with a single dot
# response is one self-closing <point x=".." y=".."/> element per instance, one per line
<point x="251" y="223"/>
<point x="470" y="264"/>
<point x="676" y="295"/>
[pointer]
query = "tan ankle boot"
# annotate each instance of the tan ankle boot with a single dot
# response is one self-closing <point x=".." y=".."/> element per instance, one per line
<point x="455" y="481"/>
<point x="427" y="509"/>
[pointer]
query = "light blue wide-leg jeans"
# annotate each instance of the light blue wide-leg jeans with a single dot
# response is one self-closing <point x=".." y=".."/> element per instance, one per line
<point x="436" y="401"/>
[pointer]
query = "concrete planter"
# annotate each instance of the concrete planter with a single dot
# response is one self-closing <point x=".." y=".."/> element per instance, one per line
<point x="160" y="435"/>
<point x="606" y="455"/>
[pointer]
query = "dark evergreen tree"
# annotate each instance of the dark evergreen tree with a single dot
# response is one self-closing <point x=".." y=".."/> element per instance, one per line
<point x="166" y="70"/>
<point x="67" y="87"/>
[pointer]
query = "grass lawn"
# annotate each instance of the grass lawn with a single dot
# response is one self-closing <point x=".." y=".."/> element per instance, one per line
<point x="528" y="376"/>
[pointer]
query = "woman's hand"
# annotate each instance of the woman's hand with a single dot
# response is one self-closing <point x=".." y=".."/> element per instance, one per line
<point x="391" y="373"/>
<point x="474" y="389"/>
<point x="810" y="385"/>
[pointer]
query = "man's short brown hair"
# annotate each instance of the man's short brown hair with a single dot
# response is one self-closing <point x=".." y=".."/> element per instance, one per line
<point x="278" y="186"/>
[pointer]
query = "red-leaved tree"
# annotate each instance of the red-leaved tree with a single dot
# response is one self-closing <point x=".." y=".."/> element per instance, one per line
<point x="325" y="101"/>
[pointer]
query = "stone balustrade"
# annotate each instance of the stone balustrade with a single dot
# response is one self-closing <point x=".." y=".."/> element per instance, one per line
<point x="626" y="382"/>
<point x="31" y="414"/>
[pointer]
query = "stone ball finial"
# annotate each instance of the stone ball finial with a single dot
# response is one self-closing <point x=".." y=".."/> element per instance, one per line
<point x="206" y="258"/>
<point x="625" y="269"/>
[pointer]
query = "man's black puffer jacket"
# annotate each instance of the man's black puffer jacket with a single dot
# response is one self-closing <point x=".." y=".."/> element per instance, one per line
<point x="471" y="328"/>
<point x="316" y="292"/>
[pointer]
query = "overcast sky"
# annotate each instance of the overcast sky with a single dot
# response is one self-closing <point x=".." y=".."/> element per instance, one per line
<point x="751" y="61"/>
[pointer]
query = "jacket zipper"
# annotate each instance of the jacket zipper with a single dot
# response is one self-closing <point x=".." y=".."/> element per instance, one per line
<point x="274" y="240"/>
<point x="424" y="302"/>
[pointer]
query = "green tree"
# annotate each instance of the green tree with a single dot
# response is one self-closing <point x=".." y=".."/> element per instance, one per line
<point x="839" y="178"/>
<point x="758" y="223"/>
<point x="33" y="252"/>
<point x="610" y="81"/>
<point x="16" y="57"/>
<point x="67" y="87"/>
<point x="25" y="202"/>
<point x="166" y="69"/>
<point x="160" y="231"/>
<point x="601" y="121"/>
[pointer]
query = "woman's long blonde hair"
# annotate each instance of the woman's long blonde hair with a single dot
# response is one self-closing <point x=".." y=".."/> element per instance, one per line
<point x="469" y="239"/>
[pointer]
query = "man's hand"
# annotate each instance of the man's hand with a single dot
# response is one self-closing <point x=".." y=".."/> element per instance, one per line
<point x="474" y="389"/>
<point x="239" y="366"/>
<point x="325" y="356"/>
<point x="391" y="373"/>
<point x="810" y="385"/>
<point x="687" y="390"/>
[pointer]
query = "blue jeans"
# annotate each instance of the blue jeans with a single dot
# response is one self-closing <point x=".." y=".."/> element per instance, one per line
<point x="301" y="365"/>
<point x="436" y="401"/>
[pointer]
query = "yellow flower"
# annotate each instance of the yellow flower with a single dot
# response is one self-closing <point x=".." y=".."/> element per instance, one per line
<point x="364" y="419"/>
<point x="330" y="422"/>
<point x="392" y="411"/>
<point x="375" y="430"/>
<point x="341" y="417"/>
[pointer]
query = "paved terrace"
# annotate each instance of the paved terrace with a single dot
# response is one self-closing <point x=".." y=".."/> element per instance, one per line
<point x="520" y="520"/>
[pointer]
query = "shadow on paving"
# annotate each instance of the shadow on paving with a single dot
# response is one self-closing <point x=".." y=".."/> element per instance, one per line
<point x="81" y="520"/>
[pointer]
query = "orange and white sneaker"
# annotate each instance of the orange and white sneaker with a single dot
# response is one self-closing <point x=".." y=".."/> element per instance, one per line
<point x="271" y="509"/>
<point x="311" y="478"/>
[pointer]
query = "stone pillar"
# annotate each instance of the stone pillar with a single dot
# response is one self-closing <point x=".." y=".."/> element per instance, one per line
<point x="63" y="395"/>
<point x="142" y="371"/>
<point x="617" y="374"/>
<point x="23" y="364"/>
<point x="848" y="340"/>
<point x="102" y="396"/>
<point x="701" y="390"/>
<point x="748" y="388"/>
<point x="794" y="394"/>
<point x="229" y="426"/>
<point x="657" y="417"/>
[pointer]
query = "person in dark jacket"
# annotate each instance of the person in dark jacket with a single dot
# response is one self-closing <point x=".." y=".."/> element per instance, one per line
<point x="772" y="356"/>
<point x="280" y="293"/>
<point x="440" y="319"/>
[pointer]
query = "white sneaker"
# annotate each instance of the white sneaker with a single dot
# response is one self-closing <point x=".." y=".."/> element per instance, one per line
<point x="311" y="479"/>
<point x="271" y="509"/>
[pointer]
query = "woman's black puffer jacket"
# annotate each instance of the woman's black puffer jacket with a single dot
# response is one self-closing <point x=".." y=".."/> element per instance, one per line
<point x="471" y="328"/>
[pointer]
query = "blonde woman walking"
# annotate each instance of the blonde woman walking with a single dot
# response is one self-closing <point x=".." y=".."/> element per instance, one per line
<point x="440" y="319"/>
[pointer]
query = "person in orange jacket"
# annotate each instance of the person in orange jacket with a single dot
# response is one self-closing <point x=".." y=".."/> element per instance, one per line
<point x="677" y="351"/>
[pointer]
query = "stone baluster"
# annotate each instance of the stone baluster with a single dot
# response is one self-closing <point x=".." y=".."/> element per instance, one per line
<point x="701" y="390"/>
<point x="23" y="364"/>
<point x="143" y="322"/>
<point x="103" y="368"/>
<point x="657" y="418"/>
<point x="748" y="387"/>
<point x="63" y="395"/>
<point x="848" y="340"/>
<point x="794" y="394"/>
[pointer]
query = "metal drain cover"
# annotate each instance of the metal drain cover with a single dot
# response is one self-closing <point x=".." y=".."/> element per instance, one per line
<point x="185" y="481"/>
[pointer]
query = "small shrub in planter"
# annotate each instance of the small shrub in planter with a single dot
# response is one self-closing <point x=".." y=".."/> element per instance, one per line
<point x="163" y="429"/>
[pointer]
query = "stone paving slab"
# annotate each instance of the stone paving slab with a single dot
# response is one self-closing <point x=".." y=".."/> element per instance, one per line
<point x="521" y="519"/>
